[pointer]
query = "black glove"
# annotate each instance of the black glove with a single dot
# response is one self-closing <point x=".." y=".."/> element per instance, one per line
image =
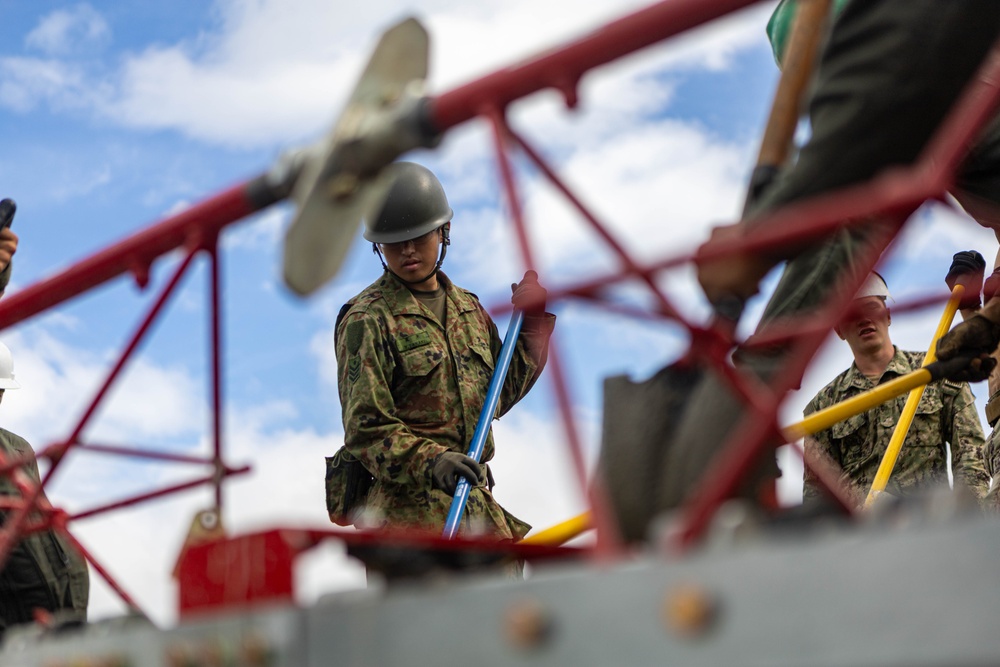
<point x="967" y="269"/>
<point x="528" y="295"/>
<point x="449" y="466"/>
<point x="977" y="337"/>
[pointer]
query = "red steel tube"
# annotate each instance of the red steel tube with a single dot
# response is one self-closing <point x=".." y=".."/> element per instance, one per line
<point x="159" y="493"/>
<point x="134" y="254"/>
<point x="134" y="452"/>
<point x="562" y="68"/>
<point x="123" y="359"/>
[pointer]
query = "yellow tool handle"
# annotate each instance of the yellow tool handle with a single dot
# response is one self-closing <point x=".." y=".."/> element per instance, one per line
<point x="561" y="532"/>
<point x="910" y="409"/>
<point x="824" y="419"/>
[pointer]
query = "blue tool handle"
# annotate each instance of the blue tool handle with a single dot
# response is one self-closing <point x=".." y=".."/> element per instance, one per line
<point x="485" y="419"/>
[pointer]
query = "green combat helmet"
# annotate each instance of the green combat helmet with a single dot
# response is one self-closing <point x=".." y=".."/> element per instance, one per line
<point x="779" y="27"/>
<point x="416" y="204"/>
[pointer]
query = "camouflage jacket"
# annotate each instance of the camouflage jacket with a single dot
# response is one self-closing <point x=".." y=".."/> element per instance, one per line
<point x="411" y="390"/>
<point x="43" y="570"/>
<point x="946" y="413"/>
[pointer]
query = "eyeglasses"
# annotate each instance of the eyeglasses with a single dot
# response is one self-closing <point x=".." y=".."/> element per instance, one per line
<point x="419" y="242"/>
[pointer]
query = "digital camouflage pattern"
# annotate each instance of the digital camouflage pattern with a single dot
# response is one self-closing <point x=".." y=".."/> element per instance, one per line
<point x="946" y="413"/>
<point x="42" y="571"/>
<point x="992" y="457"/>
<point x="411" y="390"/>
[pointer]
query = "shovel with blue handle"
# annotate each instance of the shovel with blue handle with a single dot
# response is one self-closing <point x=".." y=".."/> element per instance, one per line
<point x="485" y="419"/>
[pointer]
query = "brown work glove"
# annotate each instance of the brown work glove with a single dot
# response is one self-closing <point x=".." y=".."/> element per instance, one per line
<point x="977" y="338"/>
<point x="528" y="295"/>
<point x="448" y="467"/>
<point x="967" y="269"/>
<point x="730" y="280"/>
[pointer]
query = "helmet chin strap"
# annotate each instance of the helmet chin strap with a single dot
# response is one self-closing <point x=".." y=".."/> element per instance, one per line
<point x="446" y="241"/>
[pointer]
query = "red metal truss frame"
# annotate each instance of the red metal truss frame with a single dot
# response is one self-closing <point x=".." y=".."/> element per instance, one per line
<point x="891" y="197"/>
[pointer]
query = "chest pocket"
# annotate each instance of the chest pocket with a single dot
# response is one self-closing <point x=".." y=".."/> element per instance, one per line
<point x="852" y="441"/>
<point x="848" y="427"/>
<point x="482" y="350"/>
<point x="421" y="361"/>
<point x="927" y="421"/>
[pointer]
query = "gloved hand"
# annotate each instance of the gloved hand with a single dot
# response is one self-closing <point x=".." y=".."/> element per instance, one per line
<point x="528" y="295"/>
<point x="977" y="337"/>
<point x="967" y="269"/>
<point x="992" y="285"/>
<point x="449" y="466"/>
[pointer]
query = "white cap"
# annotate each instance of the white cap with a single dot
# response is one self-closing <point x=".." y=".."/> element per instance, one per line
<point x="874" y="285"/>
<point x="7" y="380"/>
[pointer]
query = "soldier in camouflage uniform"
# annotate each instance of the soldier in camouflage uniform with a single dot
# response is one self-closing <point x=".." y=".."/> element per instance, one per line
<point x="946" y="414"/>
<point x="415" y="355"/>
<point x="43" y="572"/>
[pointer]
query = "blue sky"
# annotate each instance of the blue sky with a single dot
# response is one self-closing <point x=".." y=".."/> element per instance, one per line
<point x="115" y="114"/>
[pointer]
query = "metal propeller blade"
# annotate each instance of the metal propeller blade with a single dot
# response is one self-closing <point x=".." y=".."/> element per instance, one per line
<point x="341" y="181"/>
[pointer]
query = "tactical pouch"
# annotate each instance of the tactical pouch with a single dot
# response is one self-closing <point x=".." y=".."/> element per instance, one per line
<point x="347" y="486"/>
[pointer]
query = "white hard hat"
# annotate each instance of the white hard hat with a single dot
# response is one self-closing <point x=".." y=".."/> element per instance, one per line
<point x="7" y="380"/>
<point x="874" y="286"/>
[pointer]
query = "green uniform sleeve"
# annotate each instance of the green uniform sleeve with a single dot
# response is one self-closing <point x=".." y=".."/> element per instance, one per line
<point x="816" y="447"/>
<point x="530" y="355"/>
<point x="822" y="450"/>
<point x="779" y="27"/>
<point x="967" y="444"/>
<point x="813" y="445"/>
<point x="372" y="432"/>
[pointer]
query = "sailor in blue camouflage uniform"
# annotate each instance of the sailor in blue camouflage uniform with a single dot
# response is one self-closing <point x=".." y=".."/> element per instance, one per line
<point x="415" y="355"/>
<point x="946" y="414"/>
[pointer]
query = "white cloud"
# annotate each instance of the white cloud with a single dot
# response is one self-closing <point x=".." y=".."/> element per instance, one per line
<point x="264" y="230"/>
<point x="99" y="177"/>
<point x="146" y="402"/>
<point x="25" y="83"/>
<point x="163" y="89"/>
<point x="65" y="30"/>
